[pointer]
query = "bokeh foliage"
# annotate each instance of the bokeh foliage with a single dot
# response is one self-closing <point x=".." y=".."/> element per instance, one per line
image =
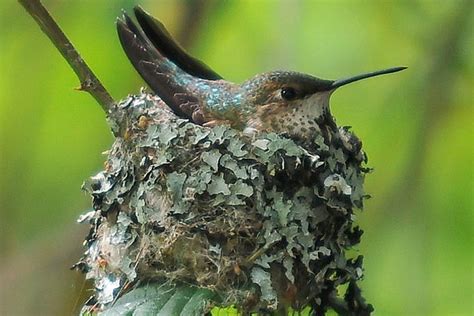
<point x="416" y="126"/>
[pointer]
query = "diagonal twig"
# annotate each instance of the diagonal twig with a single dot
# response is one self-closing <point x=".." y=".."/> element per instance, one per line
<point x="88" y="80"/>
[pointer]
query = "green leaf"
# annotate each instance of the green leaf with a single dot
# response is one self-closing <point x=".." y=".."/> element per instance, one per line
<point x="225" y="311"/>
<point x="161" y="300"/>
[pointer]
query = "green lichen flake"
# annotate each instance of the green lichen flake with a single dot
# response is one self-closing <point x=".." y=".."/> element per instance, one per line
<point x="262" y="222"/>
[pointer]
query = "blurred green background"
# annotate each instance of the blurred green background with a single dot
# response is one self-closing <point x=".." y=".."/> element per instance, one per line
<point x="417" y="128"/>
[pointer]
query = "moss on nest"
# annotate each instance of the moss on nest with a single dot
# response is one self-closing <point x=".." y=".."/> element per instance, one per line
<point x="263" y="221"/>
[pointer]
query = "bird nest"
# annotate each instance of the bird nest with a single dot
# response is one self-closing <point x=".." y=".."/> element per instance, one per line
<point x="264" y="221"/>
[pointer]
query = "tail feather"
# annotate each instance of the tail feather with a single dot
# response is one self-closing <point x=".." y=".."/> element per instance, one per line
<point x="168" y="47"/>
<point x="167" y="80"/>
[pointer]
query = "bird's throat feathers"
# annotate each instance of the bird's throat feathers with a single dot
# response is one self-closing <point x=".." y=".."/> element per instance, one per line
<point x="302" y="118"/>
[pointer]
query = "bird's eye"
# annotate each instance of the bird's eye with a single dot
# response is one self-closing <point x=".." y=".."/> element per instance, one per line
<point x="288" y="93"/>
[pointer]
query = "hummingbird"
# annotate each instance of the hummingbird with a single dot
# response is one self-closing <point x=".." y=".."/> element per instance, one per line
<point x="284" y="102"/>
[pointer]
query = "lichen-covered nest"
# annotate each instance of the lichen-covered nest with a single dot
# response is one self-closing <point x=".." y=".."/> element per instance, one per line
<point x="263" y="221"/>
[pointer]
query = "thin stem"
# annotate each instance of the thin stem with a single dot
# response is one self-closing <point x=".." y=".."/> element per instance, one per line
<point x="88" y="80"/>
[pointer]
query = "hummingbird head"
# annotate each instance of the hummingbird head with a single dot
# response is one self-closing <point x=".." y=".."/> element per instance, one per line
<point x="292" y="102"/>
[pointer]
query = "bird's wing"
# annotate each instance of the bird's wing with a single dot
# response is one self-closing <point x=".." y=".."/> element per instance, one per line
<point x="167" y="80"/>
<point x="156" y="32"/>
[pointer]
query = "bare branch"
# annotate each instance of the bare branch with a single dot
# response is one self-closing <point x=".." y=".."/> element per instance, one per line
<point x="88" y="80"/>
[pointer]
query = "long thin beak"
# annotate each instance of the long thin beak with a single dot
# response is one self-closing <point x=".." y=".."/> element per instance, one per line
<point x="342" y="82"/>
